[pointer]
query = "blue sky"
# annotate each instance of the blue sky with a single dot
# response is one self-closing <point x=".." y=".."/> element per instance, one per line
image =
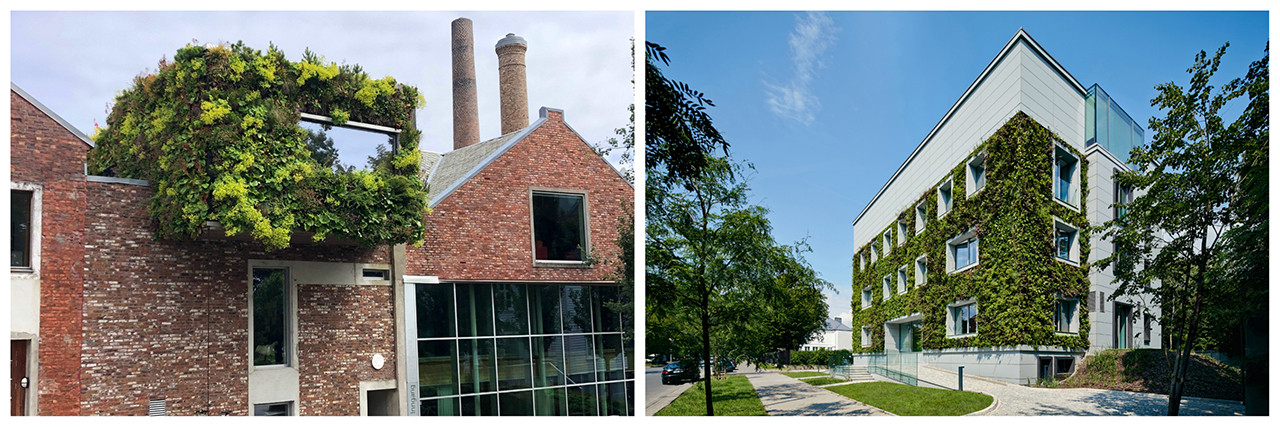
<point x="74" y="62"/>
<point x="828" y="105"/>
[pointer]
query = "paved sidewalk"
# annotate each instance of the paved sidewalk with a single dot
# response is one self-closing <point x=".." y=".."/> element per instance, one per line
<point x="1020" y="400"/>
<point x="786" y="396"/>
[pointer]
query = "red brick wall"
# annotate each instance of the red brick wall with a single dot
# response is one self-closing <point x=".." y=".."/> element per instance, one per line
<point x="482" y="230"/>
<point x="168" y="319"/>
<point x="342" y="327"/>
<point x="44" y="152"/>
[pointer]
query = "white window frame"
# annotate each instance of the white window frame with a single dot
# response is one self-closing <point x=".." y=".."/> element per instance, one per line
<point x="952" y="318"/>
<point x="867" y="297"/>
<point x="875" y="253"/>
<point x="922" y="270"/>
<point x="888" y="240"/>
<point x="1073" y="324"/>
<point x="862" y="261"/>
<point x="866" y="336"/>
<point x="1073" y="254"/>
<point x="922" y="219"/>
<point x="902" y="233"/>
<point x="35" y="232"/>
<point x="966" y="237"/>
<point x="972" y="186"/>
<point x="902" y="279"/>
<point x="886" y="289"/>
<point x="1073" y="187"/>
<point x="944" y="207"/>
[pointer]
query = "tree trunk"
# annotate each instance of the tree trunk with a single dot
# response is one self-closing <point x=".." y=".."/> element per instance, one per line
<point x="706" y="350"/>
<point x="1184" y="358"/>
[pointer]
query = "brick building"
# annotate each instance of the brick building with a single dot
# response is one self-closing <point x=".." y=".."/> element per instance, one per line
<point x="117" y="322"/>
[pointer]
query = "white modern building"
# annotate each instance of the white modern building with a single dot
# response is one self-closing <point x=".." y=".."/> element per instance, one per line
<point x="1014" y="310"/>
<point x="835" y="336"/>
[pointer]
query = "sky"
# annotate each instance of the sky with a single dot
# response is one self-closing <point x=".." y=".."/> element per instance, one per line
<point x="75" y="62"/>
<point x="827" y="106"/>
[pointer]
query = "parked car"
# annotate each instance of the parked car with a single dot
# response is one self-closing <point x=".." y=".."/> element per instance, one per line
<point x="727" y="364"/>
<point x="677" y="372"/>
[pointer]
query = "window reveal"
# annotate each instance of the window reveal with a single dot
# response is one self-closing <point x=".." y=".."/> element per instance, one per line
<point x="559" y="227"/>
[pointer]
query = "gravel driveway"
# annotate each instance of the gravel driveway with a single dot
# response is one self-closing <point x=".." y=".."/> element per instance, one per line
<point x="1020" y="400"/>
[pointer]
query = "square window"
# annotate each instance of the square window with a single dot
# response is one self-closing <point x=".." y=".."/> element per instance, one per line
<point x="1066" y="177"/>
<point x="866" y="297"/>
<point x="976" y="178"/>
<point x="902" y="279"/>
<point x="962" y="318"/>
<point x="944" y="198"/>
<point x="922" y="271"/>
<point x="921" y="217"/>
<point x="1066" y="245"/>
<point x="559" y="227"/>
<point x="271" y="317"/>
<point x="962" y="251"/>
<point x="1064" y="316"/>
<point x="887" y="291"/>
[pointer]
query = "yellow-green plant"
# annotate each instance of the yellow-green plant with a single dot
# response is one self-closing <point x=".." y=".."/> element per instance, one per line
<point x="216" y="133"/>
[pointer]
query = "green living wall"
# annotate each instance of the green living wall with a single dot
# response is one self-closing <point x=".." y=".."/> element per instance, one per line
<point x="216" y="133"/>
<point x="1017" y="282"/>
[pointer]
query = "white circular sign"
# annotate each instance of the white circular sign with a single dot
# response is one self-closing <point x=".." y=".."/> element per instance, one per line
<point x="378" y="360"/>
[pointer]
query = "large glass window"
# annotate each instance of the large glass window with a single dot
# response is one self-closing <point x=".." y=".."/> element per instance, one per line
<point x="559" y="227"/>
<point x="521" y="350"/>
<point x="270" y="317"/>
<point x="1064" y="315"/>
<point x="20" y="229"/>
<point x="1064" y="176"/>
<point x="963" y="251"/>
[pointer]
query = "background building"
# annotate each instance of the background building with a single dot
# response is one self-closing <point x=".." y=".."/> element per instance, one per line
<point x="835" y="336"/>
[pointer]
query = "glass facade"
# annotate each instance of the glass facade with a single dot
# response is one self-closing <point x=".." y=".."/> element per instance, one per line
<point x="1106" y="124"/>
<point x="521" y="349"/>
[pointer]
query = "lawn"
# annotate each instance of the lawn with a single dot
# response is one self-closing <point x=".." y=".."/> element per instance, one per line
<point x="803" y="374"/>
<point x="733" y="396"/>
<point x="821" y="381"/>
<point x="908" y="400"/>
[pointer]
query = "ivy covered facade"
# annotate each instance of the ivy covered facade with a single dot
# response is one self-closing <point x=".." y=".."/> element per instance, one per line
<point x="978" y="251"/>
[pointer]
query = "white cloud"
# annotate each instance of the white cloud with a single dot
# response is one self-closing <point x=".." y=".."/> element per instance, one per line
<point x="793" y="100"/>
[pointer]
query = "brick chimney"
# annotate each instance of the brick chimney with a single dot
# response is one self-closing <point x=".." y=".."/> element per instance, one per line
<point x="515" y="98"/>
<point x="466" y="116"/>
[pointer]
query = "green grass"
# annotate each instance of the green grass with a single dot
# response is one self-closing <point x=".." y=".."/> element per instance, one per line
<point x="803" y="374"/>
<point x="821" y="381"/>
<point x="733" y="396"/>
<point x="908" y="400"/>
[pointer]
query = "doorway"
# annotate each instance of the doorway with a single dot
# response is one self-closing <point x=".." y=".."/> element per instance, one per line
<point x="18" y="380"/>
<point x="1123" y="321"/>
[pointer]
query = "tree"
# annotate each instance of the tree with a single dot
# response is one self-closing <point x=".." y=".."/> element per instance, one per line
<point x="714" y="271"/>
<point x="1198" y="180"/>
<point x="678" y="130"/>
<point x="322" y="151"/>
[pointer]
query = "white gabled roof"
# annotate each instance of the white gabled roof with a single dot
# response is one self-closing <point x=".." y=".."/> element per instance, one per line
<point x="1021" y="35"/>
<point x="51" y="114"/>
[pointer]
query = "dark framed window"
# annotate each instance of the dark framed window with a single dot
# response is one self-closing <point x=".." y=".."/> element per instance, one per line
<point x="271" y="317"/>
<point x="283" y="409"/>
<point x="559" y="227"/>
<point x="20" y="229"/>
<point x="966" y="253"/>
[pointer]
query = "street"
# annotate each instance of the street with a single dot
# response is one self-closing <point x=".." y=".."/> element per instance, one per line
<point x="657" y="394"/>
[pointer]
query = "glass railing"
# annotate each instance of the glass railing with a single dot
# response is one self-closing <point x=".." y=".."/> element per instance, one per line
<point x="897" y="366"/>
<point x="1107" y="124"/>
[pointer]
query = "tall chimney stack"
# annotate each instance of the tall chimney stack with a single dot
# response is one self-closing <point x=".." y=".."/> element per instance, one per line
<point x="466" y="116"/>
<point x="515" y="98"/>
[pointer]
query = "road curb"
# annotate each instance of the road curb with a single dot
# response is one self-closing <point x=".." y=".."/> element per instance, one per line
<point x="995" y="403"/>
